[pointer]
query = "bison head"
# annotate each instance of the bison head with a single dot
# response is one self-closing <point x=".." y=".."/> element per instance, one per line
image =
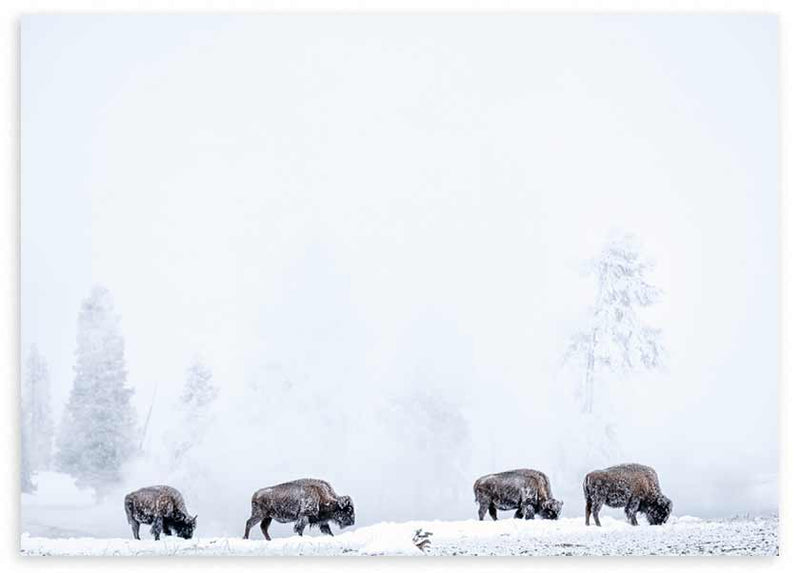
<point x="658" y="510"/>
<point x="185" y="528"/>
<point x="551" y="509"/>
<point x="344" y="513"/>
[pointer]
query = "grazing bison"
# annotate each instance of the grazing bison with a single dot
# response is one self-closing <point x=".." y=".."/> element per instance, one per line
<point x="526" y="491"/>
<point x="632" y="486"/>
<point x="303" y="501"/>
<point x="162" y="506"/>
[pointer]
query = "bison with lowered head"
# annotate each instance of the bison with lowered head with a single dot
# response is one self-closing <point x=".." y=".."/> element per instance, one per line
<point x="305" y="502"/>
<point x="163" y="507"/>
<point x="526" y="491"/>
<point x="632" y="486"/>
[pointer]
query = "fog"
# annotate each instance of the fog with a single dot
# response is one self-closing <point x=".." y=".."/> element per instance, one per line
<point x="373" y="230"/>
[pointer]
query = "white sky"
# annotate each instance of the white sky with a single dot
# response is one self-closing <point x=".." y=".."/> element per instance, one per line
<point x="357" y="197"/>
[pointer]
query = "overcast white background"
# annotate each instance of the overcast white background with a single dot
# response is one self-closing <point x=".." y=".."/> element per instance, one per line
<point x="727" y="205"/>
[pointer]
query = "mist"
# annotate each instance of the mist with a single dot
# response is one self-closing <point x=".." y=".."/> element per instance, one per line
<point x="374" y="229"/>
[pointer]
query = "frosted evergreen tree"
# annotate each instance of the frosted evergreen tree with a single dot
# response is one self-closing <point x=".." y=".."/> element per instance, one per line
<point x="615" y="340"/>
<point x="97" y="434"/>
<point x="36" y="411"/>
<point x="26" y="484"/>
<point x="194" y="406"/>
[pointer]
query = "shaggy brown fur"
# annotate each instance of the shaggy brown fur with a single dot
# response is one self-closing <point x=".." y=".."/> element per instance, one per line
<point x="162" y="506"/>
<point x="305" y="502"/>
<point x="524" y="490"/>
<point x="632" y="486"/>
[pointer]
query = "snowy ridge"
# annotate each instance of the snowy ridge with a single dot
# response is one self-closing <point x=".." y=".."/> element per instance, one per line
<point x="680" y="536"/>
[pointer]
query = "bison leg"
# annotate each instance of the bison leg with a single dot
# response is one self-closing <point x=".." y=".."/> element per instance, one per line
<point x="250" y="523"/>
<point x="265" y="527"/>
<point x="518" y="513"/>
<point x="493" y="511"/>
<point x="596" y="505"/>
<point x="326" y="529"/>
<point x="528" y="510"/>
<point x="630" y="511"/>
<point x="158" y="525"/>
<point x="131" y="519"/>
<point x="588" y="510"/>
<point x="300" y="525"/>
<point x="482" y="510"/>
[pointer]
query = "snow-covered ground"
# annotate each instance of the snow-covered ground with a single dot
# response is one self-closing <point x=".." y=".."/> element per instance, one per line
<point x="680" y="536"/>
<point x="60" y="519"/>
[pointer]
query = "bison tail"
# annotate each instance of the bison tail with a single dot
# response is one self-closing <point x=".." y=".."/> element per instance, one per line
<point x="586" y="486"/>
<point x="478" y="490"/>
<point x="254" y="509"/>
<point x="129" y="508"/>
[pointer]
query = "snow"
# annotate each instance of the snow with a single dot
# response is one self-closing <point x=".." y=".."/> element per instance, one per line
<point x="684" y="535"/>
<point x="61" y="519"/>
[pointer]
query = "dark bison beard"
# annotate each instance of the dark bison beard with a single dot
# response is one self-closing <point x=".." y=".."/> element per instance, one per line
<point x="181" y="529"/>
<point x="658" y="512"/>
<point x="343" y="518"/>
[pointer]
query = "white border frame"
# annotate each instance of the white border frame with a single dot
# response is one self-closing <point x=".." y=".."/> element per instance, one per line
<point x="789" y="12"/>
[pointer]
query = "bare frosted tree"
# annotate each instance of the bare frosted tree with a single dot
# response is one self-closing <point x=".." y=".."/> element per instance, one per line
<point x="616" y="340"/>
<point x="437" y="438"/>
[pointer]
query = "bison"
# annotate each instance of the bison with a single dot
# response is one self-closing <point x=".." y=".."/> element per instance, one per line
<point x="526" y="491"/>
<point x="305" y="502"/>
<point x="632" y="486"/>
<point x="162" y="506"/>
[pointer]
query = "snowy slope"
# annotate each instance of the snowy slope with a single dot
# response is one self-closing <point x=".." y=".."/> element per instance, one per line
<point x="680" y="536"/>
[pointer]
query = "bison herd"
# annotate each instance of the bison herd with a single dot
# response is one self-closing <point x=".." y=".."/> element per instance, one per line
<point x="313" y="502"/>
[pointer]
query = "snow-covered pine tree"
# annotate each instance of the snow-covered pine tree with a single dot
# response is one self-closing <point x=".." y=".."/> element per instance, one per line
<point x="194" y="406"/>
<point x="36" y="411"/>
<point x="97" y="434"/>
<point x="615" y="340"/>
<point x="26" y="484"/>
